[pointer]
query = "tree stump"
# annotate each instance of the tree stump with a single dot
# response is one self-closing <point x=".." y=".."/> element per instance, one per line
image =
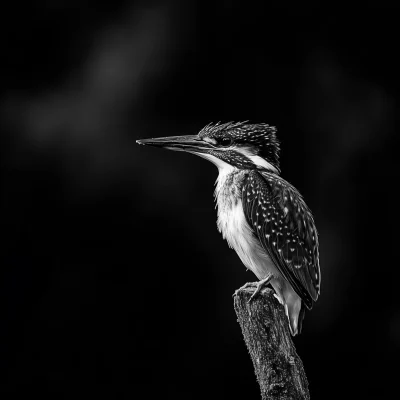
<point x="265" y="329"/>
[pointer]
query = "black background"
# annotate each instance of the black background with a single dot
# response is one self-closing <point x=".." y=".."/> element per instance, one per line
<point x="114" y="280"/>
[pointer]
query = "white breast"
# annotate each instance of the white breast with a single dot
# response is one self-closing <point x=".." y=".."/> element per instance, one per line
<point x="234" y="227"/>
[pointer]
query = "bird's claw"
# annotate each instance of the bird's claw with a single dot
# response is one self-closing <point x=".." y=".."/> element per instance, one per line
<point x="259" y="286"/>
<point x="245" y="286"/>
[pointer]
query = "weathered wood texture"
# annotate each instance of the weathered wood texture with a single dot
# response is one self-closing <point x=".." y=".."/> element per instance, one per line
<point x="265" y="328"/>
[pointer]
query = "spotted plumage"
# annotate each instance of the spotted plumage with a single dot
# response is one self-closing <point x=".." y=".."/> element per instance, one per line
<point x="285" y="228"/>
<point x="262" y="217"/>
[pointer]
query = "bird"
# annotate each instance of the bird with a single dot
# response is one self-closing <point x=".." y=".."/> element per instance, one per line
<point x="262" y="216"/>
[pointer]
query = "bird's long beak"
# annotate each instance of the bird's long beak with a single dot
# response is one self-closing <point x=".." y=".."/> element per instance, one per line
<point x="191" y="143"/>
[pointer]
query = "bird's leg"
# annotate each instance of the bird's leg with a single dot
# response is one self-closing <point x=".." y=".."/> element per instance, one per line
<point x="260" y="285"/>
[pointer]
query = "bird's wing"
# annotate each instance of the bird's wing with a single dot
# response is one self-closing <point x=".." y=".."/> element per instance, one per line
<point x="285" y="228"/>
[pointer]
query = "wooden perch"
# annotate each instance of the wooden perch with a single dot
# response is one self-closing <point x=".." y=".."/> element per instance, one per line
<point x="265" y="328"/>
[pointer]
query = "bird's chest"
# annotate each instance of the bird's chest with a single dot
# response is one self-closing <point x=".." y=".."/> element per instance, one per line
<point x="233" y="225"/>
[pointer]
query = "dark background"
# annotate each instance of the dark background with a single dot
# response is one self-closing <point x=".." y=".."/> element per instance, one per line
<point x="114" y="280"/>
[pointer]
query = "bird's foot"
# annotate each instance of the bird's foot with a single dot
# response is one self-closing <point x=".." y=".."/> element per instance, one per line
<point x="248" y="285"/>
<point x="260" y="285"/>
<point x="256" y="286"/>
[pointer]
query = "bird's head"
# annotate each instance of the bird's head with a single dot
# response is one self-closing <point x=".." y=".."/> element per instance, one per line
<point x="240" y="145"/>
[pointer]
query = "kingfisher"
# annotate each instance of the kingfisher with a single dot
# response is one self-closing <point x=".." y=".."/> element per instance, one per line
<point x="262" y="216"/>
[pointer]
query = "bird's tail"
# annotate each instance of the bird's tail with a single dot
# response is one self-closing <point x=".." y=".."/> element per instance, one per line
<point x="302" y="313"/>
<point x="295" y="312"/>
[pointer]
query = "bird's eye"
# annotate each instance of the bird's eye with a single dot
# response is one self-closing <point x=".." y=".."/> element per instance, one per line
<point x="226" y="141"/>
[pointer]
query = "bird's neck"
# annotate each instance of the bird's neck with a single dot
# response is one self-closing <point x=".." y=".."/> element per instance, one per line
<point x="229" y="184"/>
